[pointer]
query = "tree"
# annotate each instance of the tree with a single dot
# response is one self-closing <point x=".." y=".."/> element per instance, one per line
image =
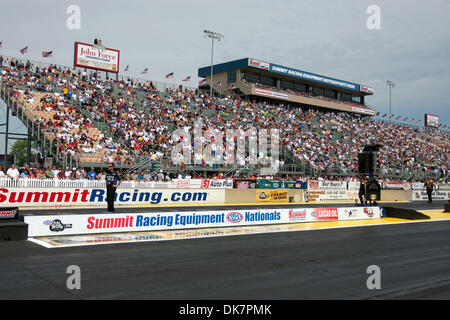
<point x="19" y="149"/>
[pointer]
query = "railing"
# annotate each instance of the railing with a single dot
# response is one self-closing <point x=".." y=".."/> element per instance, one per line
<point x="85" y="183"/>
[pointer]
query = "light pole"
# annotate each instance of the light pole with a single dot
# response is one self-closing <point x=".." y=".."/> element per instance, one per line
<point x="217" y="36"/>
<point x="391" y="85"/>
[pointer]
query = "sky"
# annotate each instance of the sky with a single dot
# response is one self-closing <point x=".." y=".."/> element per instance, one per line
<point x="328" y="37"/>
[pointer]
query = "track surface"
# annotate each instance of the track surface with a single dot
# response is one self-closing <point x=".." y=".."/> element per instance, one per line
<point x="325" y="264"/>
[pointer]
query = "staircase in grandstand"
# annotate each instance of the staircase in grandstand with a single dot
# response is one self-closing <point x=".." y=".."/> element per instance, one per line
<point x="36" y="130"/>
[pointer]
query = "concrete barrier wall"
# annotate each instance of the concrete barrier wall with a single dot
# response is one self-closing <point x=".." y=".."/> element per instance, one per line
<point x="296" y="194"/>
<point x="240" y="195"/>
<point x="396" y="195"/>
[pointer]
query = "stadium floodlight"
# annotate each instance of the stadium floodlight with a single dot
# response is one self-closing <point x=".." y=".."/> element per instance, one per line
<point x="391" y="85"/>
<point x="213" y="36"/>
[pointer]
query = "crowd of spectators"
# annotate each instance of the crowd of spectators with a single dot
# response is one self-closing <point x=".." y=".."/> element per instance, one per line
<point x="139" y="121"/>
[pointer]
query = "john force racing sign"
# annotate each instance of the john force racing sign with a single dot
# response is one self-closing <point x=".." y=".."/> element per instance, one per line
<point x="88" y="56"/>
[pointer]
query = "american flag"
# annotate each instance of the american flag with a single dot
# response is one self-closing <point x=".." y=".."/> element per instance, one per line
<point x="405" y="119"/>
<point x="218" y="84"/>
<point x="169" y="75"/>
<point x="1" y="42"/>
<point x="144" y="71"/>
<point x="47" y="54"/>
<point x="22" y="51"/>
<point x="384" y="115"/>
<point x="391" y="116"/>
<point x="398" y="117"/>
<point x="126" y="68"/>
<point x="187" y="79"/>
<point x="203" y="81"/>
<point x="445" y="126"/>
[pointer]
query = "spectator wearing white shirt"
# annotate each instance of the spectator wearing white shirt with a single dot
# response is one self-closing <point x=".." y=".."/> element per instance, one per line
<point x="13" y="173"/>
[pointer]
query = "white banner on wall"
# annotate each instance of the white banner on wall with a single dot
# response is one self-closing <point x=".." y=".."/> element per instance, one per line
<point x="133" y="222"/>
<point x="397" y="185"/>
<point x="323" y="185"/>
<point x="203" y="183"/>
<point x="419" y="195"/>
<point x="354" y="185"/>
<point x="331" y="195"/>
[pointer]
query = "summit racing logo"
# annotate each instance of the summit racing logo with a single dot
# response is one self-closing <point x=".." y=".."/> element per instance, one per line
<point x="8" y="213"/>
<point x="82" y="196"/>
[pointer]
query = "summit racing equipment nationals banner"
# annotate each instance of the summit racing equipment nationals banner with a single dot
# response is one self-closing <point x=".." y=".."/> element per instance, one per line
<point x="133" y="222"/>
<point x="66" y="197"/>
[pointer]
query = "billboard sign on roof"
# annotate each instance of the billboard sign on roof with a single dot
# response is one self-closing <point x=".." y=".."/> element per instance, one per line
<point x="431" y="121"/>
<point x="313" y="77"/>
<point x="367" y="89"/>
<point x="91" y="57"/>
<point x="258" y="64"/>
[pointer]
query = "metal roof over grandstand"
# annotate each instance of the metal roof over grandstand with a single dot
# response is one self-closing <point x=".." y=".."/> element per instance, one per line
<point x="285" y="71"/>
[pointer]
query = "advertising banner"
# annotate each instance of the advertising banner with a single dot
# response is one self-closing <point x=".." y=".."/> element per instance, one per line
<point x="431" y="121"/>
<point x="272" y="195"/>
<point x="66" y="197"/>
<point x="436" y="195"/>
<point x="49" y="225"/>
<point x="444" y="186"/>
<point x="353" y="185"/>
<point x="202" y="183"/>
<point x="418" y="186"/>
<point x="396" y="185"/>
<point x="9" y="213"/>
<point x="258" y="64"/>
<point x="245" y="184"/>
<point x="271" y="93"/>
<point x="323" y="185"/>
<point x="91" y="57"/>
<point x="330" y="195"/>
<point x="362" y="110"/>
<point x="313" y="77"/>
<point x="275" y="184"/>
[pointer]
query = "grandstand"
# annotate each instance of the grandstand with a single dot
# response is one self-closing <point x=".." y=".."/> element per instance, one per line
<point x="266" y="81"/>
<point x="84" y="120"/>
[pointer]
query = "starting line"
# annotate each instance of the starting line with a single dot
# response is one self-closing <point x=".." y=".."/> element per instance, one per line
<point x="150" y="236"/>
